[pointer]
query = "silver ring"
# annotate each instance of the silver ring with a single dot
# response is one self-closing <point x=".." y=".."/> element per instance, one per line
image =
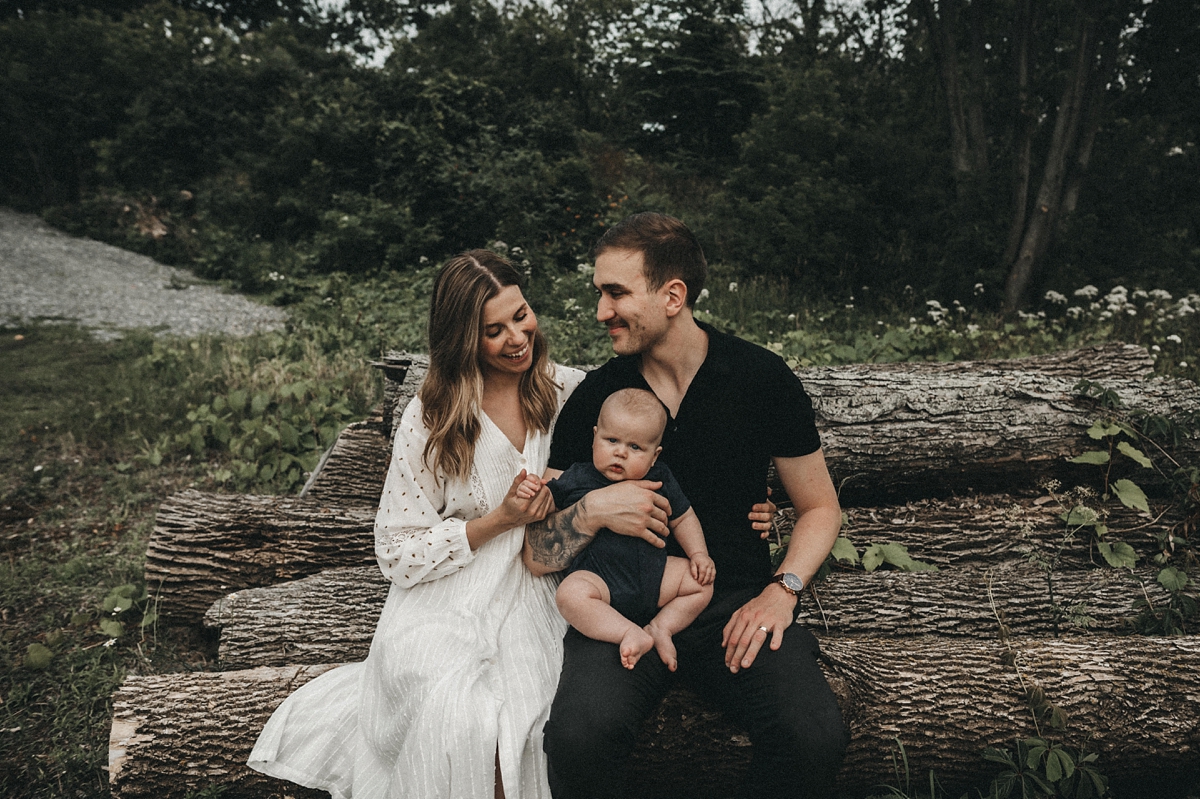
<point x="764" y="629"/>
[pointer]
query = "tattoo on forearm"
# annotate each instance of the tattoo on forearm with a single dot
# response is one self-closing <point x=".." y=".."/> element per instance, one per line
<point x="554" y="541"/>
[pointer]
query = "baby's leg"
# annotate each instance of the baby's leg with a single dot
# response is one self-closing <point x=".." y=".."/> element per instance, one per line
<point x="583" y="599"/>
<point x="680" y="601"/>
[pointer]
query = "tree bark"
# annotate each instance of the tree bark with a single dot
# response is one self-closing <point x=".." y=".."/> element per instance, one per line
<point x="353" y="472"/>
<point x="1132" y="700"/>
<point x="913" y="434"/>
<point x="205" y="545"/>
<point x="332" y="615"/>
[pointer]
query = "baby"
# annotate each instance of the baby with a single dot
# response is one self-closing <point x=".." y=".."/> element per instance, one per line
<point x="620" y="583"/>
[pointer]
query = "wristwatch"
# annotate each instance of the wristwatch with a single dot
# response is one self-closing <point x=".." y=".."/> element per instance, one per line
<point x="790" y="582"/>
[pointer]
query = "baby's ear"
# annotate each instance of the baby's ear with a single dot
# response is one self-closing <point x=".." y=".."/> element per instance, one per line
<point x="657" y="452"/>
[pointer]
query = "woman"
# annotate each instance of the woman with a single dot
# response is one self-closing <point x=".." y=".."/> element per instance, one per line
<point x="451" y="700"/>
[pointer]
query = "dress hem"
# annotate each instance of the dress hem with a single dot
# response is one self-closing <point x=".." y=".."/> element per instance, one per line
<point x="280" y="771"/>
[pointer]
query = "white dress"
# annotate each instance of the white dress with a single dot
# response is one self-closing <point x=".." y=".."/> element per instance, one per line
<point x="466" y="655"/>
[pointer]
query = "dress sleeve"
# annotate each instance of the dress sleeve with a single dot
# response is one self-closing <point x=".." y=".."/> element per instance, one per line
<point x="415" y="538"/>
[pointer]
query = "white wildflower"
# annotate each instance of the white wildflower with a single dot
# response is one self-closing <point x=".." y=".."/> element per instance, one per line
<point x="1140" y="295"/>
<point x="972" y="328"/>
<point x="978" y="288"/>
<point x="733" y="286"/>
<point x="1131" y="311"/>
<point x="1106" y="314"/>
<point x="1056" y="298"/>
<point x="1174" y="339"/>
<point x="791" y="317"/>
<point x="38" y="468"/>
<point x="1087" y="292"/>
<point x="1160" y="295"/>
<point x="703" y="295"/>
<point x="1074" y="312"/>
<point x="423" y="260"/>
<point x="1155" y="348"/>
<point x="1183" y="364"/>
<point x="110" y="642"/>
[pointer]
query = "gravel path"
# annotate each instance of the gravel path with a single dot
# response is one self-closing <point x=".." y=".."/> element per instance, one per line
<point x="48" y="275"/>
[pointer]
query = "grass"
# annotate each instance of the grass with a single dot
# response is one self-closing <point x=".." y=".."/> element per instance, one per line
<point x="93" y="436"/>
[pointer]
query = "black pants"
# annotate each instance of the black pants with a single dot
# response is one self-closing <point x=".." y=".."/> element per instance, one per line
<point x="782" y="700"/>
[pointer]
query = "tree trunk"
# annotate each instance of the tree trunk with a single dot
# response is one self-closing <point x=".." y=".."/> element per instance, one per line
<point x="1130" y="699"/>
<point x="353" y="472"/>
<point x="1036" y="237"/>
<point x="889" y="435"/>
<point x="1025" y="126"/>
<point x="885" y="434"/>
<point x="332" y="615"/>
<point x="205" y="545"/>
<point x="944" y="47"/>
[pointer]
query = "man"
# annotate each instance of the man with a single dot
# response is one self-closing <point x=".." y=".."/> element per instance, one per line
<point x="734" y="408"/>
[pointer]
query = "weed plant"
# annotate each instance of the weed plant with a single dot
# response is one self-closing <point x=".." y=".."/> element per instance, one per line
<point x="93" y="436"/>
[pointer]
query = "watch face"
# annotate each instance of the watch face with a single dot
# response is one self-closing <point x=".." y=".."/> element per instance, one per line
<point x="791" y="582"/>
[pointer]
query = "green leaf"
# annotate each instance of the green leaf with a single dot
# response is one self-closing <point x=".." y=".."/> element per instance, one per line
<point x="843" y="550"/>
<point x="1133" y="452"/>
<point x="1053" y="767"/>
<point x="237" y="400"/>
<point x="259" y="404"/>
<point x="1130" y="495"/>
<point x="148" y="619"/>
<point x="1100" y="430"/>
<point x="289" y="436"/>
<point x="266" y="472"/>
<point x="1172" y="579"/>
<point x="898" y="556"/>
<point x="1119" y="555"/>
<point x="873" y="558"/>
<point x="1095" y="457"/>
<point x="1068" y="765"/>
<point x="112" y="628"/>
<point x="37" y="657"/>
<point x="1080" y="516"/>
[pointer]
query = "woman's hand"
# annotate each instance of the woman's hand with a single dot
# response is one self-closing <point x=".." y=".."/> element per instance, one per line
<point x="528" y="500"/>
<point x="762" y="516"/>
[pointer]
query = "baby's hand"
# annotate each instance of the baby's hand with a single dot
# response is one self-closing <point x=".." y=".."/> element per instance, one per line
<point x="529" y="487"/>
<point x="704" y="571"/>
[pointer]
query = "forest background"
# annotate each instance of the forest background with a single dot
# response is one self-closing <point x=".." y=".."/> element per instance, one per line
<point x="872" y="181"/>
<point x="980" y="151"/>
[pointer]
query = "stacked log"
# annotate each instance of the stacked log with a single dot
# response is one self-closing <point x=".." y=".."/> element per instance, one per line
<point x="941" y="661"/>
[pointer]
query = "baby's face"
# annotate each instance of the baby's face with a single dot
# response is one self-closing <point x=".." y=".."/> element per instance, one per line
<point x="624" y="447"/>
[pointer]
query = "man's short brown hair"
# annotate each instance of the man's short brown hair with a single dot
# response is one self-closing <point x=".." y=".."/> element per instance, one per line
<point x="669" y="250"/>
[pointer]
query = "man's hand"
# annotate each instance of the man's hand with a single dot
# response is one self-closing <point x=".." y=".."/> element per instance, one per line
<point x="629" y="508"/>
<point x="768" y="615"/>
<point x="762" y="515"/>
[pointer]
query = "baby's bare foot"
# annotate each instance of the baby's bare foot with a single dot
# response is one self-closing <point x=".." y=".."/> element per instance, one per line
<point x="636" y="643"/>
<point x="664" y="645"/>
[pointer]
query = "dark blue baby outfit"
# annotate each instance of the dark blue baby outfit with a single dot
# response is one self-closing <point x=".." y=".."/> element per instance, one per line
<point x="630" y="567"/>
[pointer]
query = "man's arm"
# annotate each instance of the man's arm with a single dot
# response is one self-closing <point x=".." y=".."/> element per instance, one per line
<point x="818" y="520"/>
<point x="628" y="508"/>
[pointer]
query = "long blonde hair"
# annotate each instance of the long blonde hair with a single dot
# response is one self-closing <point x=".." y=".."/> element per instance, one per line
<point x="452" y="394"/>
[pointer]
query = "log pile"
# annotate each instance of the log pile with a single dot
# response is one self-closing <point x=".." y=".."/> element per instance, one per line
<point x="943" y="459"/>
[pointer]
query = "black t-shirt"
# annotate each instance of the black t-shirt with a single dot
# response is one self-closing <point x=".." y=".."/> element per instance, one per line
<point x="744" y="407"/>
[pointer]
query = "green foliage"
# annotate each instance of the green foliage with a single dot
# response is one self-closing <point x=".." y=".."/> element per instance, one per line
<point x="1042" y="769"/>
